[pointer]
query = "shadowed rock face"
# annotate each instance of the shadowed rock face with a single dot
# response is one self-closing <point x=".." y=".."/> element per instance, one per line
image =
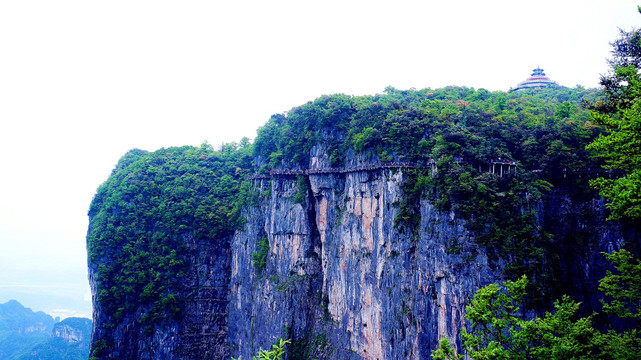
<point x="342" y="282"/>
<point x="200" y="330"/>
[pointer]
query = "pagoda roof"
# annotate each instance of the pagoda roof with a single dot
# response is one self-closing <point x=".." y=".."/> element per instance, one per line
<point x="537" y="80"/>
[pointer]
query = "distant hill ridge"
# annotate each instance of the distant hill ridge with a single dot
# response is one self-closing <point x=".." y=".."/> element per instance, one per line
<point x="15" y="317"/>
<point x="25" y="335"/>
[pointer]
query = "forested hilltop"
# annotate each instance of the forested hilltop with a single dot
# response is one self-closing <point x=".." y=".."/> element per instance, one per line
<point x="142" y="214"/>
<point x="471" y="137"/>
<point x="543" y="130"/>
<point x="152" y="199"/>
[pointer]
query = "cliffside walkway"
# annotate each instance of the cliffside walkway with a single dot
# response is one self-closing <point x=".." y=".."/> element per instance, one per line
<point x="593" y="172"/>
<point x="496" y="166"/>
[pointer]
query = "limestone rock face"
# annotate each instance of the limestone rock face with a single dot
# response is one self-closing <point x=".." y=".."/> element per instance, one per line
<point x="341" y="281"/>
<point x="73" y="330"/>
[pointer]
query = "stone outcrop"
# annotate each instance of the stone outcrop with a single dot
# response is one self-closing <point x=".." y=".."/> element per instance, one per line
<point x="73" y="330"/>
<point x="200" y="332"/>
<point x="341" y="281"/>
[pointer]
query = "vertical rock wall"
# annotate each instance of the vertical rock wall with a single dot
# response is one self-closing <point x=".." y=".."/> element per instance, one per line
<point x="341" y="281"/>
<point x="200" y="330"/>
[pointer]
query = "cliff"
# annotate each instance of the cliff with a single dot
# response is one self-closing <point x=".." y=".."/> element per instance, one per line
<point x="70" y="340"/>
<point x="341" y="280"/>
<point x="363" y="242"/>
<point x="27" y="335"/>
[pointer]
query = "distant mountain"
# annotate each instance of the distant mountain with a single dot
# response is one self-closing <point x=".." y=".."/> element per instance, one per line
<point x="70" y="340"/>
<point x="29" y="335"/>
<point x="15" y="317"/>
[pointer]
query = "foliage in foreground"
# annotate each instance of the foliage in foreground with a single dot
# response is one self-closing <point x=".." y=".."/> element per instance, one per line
<point x="619" y="112"/>
<point x="276" y="352"/>
<point x="621" y="150"/>
<point x="498" y="329"/>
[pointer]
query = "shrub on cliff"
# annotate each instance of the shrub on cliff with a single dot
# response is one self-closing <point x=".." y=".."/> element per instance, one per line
<point x="498" y="330"/>
<point x="275" y="353"/>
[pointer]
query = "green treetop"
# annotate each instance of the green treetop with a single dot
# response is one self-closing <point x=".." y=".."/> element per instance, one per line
<point x="619" y="112"/>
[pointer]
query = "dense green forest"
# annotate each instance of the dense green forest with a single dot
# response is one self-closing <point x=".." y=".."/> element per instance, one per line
<point x="545" y="131"/>
<point x="142" y="213"/>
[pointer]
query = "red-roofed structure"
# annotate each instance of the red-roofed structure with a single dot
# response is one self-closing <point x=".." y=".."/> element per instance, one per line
<point x="537" y="80"/>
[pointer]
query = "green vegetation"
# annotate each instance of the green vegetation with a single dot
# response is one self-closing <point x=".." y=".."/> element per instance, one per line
<point x="619" y="111"/>
<point x="310" y="347"/>
<point x="27" y="335"/>
<point x="624" y="289"/>
<point x="464" y="130"/>
<point x="144" y="215"/>
<point x="498" y="329"/>
<point x="544" y="130"/>
<point x="276" y="352"/>
<point x="153" y="203"/>
<point x="301" y="189"/>
<point x="446" y="351"/>
<point x="623" y="299"/>
<point x="259" y="258"/>
<point x="496" y="157"/>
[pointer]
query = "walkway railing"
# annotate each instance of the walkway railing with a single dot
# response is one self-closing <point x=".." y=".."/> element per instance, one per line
<point x="495" y="166"/>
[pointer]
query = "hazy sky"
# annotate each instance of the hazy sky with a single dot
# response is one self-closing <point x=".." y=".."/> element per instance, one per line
<point x="82" y="82"/>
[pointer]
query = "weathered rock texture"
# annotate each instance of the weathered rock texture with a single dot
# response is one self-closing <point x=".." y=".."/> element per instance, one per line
<point x="73" y="330"/>
<point x="342" y="282"/>
<point x="68" y="334"/>
<point x="200" y="333"/>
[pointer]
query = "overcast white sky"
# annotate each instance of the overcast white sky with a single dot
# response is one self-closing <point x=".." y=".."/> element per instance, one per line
<point x="82" y="82"/>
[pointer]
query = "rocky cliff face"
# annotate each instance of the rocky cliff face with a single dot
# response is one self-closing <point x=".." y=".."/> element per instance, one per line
<point x="581" y="234"/>
<point x="69" y="333"/>
<point x="200" y="333"/>
<point x="341" y="281"/>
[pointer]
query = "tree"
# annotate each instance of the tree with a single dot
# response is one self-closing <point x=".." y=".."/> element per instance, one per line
<point x="276" y="353"/>
<point x="498" y="329"/>
<point x="623" y="289"/>
<point x="621" y="150"/>
<point x="619" y="112"/>
<point x="445" y="351"/>
<point x="623" y="299"/>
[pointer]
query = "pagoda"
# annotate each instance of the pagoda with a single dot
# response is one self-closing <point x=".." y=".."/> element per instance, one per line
<point x="537" y="80"/>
